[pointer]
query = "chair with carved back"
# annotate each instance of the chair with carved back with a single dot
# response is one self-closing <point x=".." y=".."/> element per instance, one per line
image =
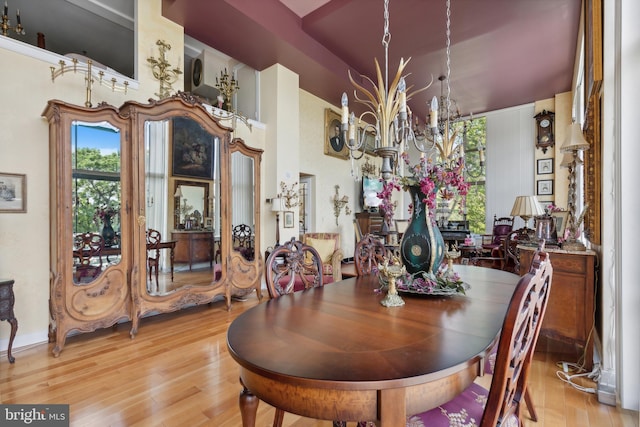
<point x="501" y="227"/>
<point x="369" y="252"/>
<point x="500" y="405"/>
<point x="243" y="241"/>
<point x="153" y="253"/>
<point x="292" y="267"/>
<point x="87" y="250"/>
<point x="511" y="253"/>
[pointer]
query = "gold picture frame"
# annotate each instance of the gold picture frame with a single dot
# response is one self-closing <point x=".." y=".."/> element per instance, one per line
<point x="332" y="129"/>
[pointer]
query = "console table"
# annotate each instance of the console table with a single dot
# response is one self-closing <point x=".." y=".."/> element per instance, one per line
<point x="7" y="299"/>
<point x="570" y="311"/>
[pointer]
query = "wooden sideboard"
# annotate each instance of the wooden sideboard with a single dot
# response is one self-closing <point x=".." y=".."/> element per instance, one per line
<point x="193" y="247"/>
<point x="570" y="312"/>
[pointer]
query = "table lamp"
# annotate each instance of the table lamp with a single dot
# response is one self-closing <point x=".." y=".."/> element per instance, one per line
<point x="573" y="144"/>
<point x="526" y="207"/>
<point x="276" y="206"/>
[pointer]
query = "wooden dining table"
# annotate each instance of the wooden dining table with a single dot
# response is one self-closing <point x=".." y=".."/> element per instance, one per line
<point x="335" y="353"/>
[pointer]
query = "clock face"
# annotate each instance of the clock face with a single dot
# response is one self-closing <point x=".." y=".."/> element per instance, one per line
<point x="545" y="123"/>
<point x="197" y="72"/>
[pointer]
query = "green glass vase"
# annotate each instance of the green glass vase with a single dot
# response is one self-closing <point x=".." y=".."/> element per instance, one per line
<point x="422" y="246"/>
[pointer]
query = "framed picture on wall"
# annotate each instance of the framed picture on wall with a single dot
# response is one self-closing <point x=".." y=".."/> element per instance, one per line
<point x="334" y="144"/>
<point x="288" y="219"/>
<point x="545" y="187"/>
<point x="13" y="193"/>
<point x="193" y="149"/>
<point x="545" y="166"/>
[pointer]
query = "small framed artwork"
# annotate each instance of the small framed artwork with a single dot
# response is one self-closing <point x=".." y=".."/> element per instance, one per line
<point x="545" y="187"/>
<point x="288" y="219"/>
<point x="545" y="166"/>
<point x="13" y="193"/>
<point x="561" y="218"/>
<point x="334" y="144"/>
<point x="193" y="149"/>
<point x="208" y="223"/>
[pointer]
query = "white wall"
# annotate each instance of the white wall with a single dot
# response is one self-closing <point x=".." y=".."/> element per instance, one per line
<point x="628" y="203"/>
<point x="510" y="160"/>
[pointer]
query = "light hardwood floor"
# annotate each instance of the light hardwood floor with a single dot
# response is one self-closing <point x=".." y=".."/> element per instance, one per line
<point x="177" y="372"/>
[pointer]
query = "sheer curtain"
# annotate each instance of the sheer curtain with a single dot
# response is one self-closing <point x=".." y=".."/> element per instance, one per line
<point x="156" y="179"/>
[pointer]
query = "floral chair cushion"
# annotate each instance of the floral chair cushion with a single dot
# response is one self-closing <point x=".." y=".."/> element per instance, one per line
<point x="465" y="410"/>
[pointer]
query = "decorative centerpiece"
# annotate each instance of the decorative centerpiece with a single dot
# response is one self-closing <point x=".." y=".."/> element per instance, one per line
<point x="422" y="247"/>
<point x="105" y="215"/>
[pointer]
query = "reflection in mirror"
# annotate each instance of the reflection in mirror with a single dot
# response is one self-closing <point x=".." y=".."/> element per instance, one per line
<point x="181" y="211"/>
<point x="96" y="195"/>
<point x="243" y="221"/>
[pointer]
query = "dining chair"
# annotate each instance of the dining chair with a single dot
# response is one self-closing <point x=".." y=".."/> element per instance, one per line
<point x="153" y="253"/>
<point x="500" y="405"/>
<point x="501" y="227"/>
<point x="243" y="241"/>
<point x="87" y="249"/>
<point x="368" y="253"/>
<point x="292" y="267"/>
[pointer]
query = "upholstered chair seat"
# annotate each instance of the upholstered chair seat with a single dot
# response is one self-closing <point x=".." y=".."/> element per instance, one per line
<point x="328" y="247"/>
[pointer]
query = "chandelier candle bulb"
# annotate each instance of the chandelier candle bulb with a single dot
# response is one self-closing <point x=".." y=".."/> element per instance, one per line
<point x="402" y="89"/>
<point x="345" y="108"/>
<point x="434" y="112"/>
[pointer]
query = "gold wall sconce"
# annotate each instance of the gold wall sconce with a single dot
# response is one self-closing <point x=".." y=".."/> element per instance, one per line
<point x="289" y="195"/>
<point x="339" y="203"/>
<point x="162" y="71"/>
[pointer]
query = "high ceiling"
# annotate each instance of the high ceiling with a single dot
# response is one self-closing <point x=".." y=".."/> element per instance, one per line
<point x="503" y="52"/>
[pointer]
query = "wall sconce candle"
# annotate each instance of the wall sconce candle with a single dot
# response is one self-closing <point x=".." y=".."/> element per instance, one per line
<point x="161" y="69"/>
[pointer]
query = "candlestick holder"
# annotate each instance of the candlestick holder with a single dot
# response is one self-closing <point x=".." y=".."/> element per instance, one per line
<point x="391" y="269"/>
<point x="227" y="87"/>
<point x="162" y="71"/>
<point x="6" y="23"/>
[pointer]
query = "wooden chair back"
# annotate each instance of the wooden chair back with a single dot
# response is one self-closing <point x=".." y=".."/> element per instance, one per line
<point x="243" y="240"/>
<point x="291" y="267"/>
<point x="153" y="252"/>
<point x="87" y="250"/>
<point x="368" y="253"/>
<point x="517" y="343"/>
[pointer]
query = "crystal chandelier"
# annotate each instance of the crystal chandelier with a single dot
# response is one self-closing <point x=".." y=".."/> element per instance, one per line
<point x="386" y="107"/>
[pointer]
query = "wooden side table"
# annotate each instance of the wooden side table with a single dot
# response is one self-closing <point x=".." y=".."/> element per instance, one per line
<point x="570" y="311"/>
<point x="7" y="299"/>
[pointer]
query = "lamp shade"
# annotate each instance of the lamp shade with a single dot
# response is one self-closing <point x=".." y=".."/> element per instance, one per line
<point x="178" y="192"/>
<point x="526" y="207"/>
<point x="575" y="140"/>
<point x="276" y="205"/>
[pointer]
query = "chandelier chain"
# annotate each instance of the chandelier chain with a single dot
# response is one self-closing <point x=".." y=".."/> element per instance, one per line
<point x="386" y="39"/>
<point x="448" y="53"/>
